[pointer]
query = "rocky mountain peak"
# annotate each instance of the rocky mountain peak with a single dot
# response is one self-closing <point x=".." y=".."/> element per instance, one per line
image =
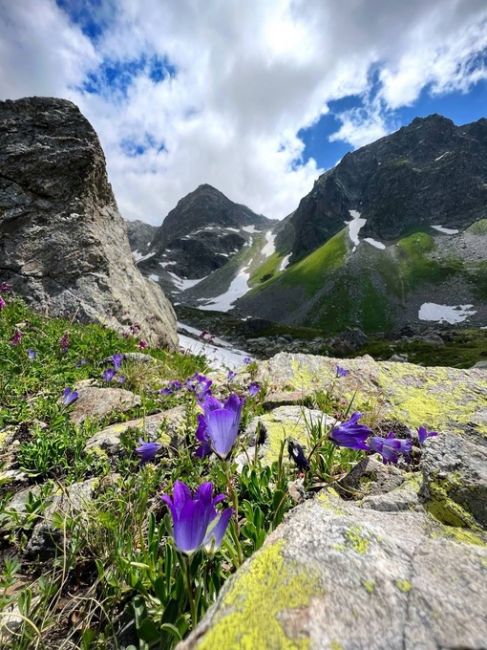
<point x="63" y="243"/>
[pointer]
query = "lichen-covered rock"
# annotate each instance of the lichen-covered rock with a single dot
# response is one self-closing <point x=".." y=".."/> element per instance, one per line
<point x="63" y="243"/>
<point x="455" y="479"/>
<point x="292" y="422"/>
<point x="96" y="403"/>
<point x="169" y="421"/>
<point x="338" y="576"/>
<point x="370" y="477"/>
<point x="444" y="399"/>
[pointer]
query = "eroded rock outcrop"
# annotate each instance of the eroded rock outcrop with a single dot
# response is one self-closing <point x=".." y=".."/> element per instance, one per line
<point x="63" y="243"/>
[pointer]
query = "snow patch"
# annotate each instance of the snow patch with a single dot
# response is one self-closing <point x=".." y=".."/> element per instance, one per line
<point x="375" y="243"/>
<point x="165" y="264"/>
<point x="154" y="277"/>
<point x="182" y="284"/>
<point x="285" y="262"/>
<point x="355" y="226"/>
<point x="270" y="245"/>
<point x="140" y="257"/>
<point x="442" y="156"/>
<point x="219" y="352"/>
<point x="250" y="229"/>
<point x="446" y="231"/>
<point x="238" y="287"/>
<point x="445" y="313"/>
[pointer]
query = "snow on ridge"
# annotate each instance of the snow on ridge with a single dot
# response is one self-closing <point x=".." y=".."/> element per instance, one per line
<point x="270" y="245"/>
<point x="140" y="257"/>
<point x="238" y="287"/>
<point x="354" y="227"/>
<point x="250" y="229"/>
<point x="446" y="231"/>
<point x="442" y="156"/>
<point x="431" y="311"/>
<point x="375" y="243"/>
<point x="182" y="283"/>
<point x="285" y="262"/>
<point x="154" y="277"/>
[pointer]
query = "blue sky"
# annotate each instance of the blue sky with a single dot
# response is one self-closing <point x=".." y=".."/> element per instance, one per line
<point x="256" y="98"/>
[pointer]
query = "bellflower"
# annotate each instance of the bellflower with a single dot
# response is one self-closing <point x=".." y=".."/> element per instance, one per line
<point x="3" y="304"/>
<point x="254" y="389"/>
<point x="171" y="388"/>
<point x="196" y="522"/>
<point x="423" y="433"/>
<point x="342" y="372"/>
<point x="218" y="425"/>
<point x="296" y="452"/>
<point x="390" y="448"/>
<point x="147" y="451"/>
<point x="231" y="374"/>
<point x="351" y="434"/>
<point x="200" y="385"/>
<point x="247" y="360"/>
<point x="117" y="360"/>
<point x="16" y="338"/>
<point x="69" y="396"/>
<point x="32" y="354"/>
<point x="108" y="374"/>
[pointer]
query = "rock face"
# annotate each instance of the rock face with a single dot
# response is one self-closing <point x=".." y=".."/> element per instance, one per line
<point x="63" y="244"/>
<point x="429" y="172"/>
<point x="140" y="237"/>
<point x="336" y="575"/>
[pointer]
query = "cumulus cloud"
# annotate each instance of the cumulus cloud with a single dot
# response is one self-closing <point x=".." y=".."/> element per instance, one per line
<point x="183" y="93"/>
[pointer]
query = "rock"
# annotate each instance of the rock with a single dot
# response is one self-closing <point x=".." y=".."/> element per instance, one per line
<point x="443" y="399"/>
<point x="169" y="421"/>
<point x="284" y="398"/>
<point x="370" y="477"/>
<point x="46" y="535"/>
<point x="284" y="422"/>
<point x="455" y="480"/>
<point x="404" y="497"/>
<point x="63" y="243"/>
<point x="337" y="575"/>
<point x="140" y="236"/>
<point x="96" y="403"/>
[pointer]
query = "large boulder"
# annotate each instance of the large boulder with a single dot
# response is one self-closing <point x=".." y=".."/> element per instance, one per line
<point x="63" y="243"/>
<point x="338" y="576"/>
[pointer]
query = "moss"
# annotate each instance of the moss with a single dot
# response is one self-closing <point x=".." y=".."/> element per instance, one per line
<point x="463" y="536"/>
<point x="369" y="586"/>
<point x="478" y="228"/>
<point x="443" y="508"/>
<point x="356" y="541"/>
<point x="266" y="587"/>
<point x="404" y="585"/>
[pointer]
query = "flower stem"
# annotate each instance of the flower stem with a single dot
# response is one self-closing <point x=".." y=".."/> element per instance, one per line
<point x="189" y="589"/>
<point x="234" y="497"/>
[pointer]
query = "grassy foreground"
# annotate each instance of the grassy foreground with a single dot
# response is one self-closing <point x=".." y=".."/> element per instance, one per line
<point x="108" y="574"/>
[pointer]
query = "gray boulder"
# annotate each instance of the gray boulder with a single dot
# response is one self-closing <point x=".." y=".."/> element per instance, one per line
<point x="336" y="576"/>
<point x="63" y="243"/>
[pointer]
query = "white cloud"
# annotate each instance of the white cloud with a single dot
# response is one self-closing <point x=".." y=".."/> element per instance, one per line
<point x="250" y="75"/>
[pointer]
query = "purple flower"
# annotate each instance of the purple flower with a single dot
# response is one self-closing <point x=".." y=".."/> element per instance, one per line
<point x="423" y="433"/>
<point x="231" y="375"/>
<point x="247" y="360"/>
<point x="5" y="287"/>
<point x="200" y="385"/>
<point x="121" y="379"/>
<point x="16" y="338"/>
<point x="218" y="425"/>
<point x="342" y="372"/>
<point x="32" y="354"/>
<point x="147" y="450"/>
<point x="390" y="448"/>
<point x="193" y="516"/>
<point x="69" y="396"/>
<point x="254" y="389"/>
<point x="171" y="388"/>
<point x="108" y="374"/>
<point x="117" y="360"/>
<point x="296" y="452"/>
<point x="351" y="434"/>
<point x="142" y="344"/>
<point x="64" y="342"/>
<point x="3" y="304"/>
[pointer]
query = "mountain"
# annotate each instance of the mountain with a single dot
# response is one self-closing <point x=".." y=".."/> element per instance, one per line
<point x="395" y="233"/>
<point x="63" y="243"/>
<point x="140" y="237"/>
<point x="203" y="233"/>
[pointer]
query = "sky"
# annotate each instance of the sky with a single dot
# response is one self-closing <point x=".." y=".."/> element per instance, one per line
<point x="257" y="98"/>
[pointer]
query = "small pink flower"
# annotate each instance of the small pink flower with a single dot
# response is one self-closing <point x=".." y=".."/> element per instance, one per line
<point x="3" y="304"/>
<point x="142" y="344"/>
<point x="16" y="338"/>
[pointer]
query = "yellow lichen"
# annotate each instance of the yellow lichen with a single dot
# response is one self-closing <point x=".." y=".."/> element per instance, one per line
<point x="369" y="586"/>
<point x="356" y="541"/>
<point x="404" y="585"/>
<point x="249" y="613"/>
